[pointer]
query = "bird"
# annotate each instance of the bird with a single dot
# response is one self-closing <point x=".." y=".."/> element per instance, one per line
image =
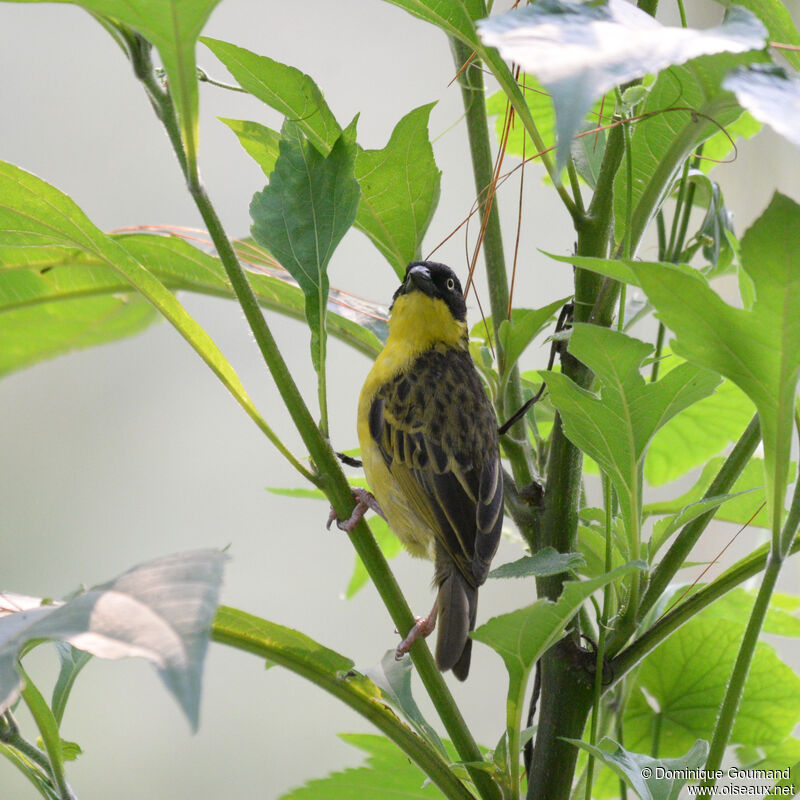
<point x="430" y="451"/>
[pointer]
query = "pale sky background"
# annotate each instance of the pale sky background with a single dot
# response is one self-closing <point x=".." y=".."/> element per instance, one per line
<point x="122" y="453"/>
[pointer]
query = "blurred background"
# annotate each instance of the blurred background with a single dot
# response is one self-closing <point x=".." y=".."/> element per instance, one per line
<point x="118" y="454"/>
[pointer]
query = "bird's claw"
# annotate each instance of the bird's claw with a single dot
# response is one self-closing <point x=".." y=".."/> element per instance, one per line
<point x="364" y="501"/>
<point x="423" y="627"/>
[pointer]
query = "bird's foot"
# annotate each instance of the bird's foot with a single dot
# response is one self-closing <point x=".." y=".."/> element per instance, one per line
<point x="364" y="501"/>
<point x="423" y="628"/>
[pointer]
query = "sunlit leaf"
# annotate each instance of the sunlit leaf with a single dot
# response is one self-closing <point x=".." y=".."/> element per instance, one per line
<point x="771" y="96"/>
<point x="580" y="51"/>
<point x="160" y="610"/>
<point x="547" y="561"/>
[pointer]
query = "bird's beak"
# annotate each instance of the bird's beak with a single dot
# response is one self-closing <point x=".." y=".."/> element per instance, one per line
<point x="419" y="278"/>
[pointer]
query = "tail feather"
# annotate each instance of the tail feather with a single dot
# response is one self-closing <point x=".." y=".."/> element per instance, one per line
<point x="458" y="606"/>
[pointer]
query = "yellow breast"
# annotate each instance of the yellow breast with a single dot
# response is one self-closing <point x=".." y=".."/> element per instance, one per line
<point x="417" y="324"/>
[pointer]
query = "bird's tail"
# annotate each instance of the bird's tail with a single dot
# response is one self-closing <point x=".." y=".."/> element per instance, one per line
<point x="458" y="605"/>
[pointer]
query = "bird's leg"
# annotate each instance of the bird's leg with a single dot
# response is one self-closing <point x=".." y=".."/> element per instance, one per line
<point x="423" y="627"/>
<point x="364" y="501"/>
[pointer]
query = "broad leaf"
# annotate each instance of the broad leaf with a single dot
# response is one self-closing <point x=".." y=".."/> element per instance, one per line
<point x="771" y="96"/>
<point x="651" y="778"/>
<point x="160" y="610"/>
<point x="387" y="775"/>
<point x="302" y="215"/>
<point x="616" y="427"/>
<point x="580" y="51"/>
<point x="521" y="637"/>
<point x="286" y="89"/>
<point x="547" y="561"/>
<point x="776" y="16"/>
<point x="759" y="348"/>
<point x="523" y="327"/>
<point x="399" y="190"/>
<point x="685" y="679"/>
<point x="698" y="433"/>
<point x="33" y="334"/>
<point x="34" y="213"/>
<point x="454" y="17"/>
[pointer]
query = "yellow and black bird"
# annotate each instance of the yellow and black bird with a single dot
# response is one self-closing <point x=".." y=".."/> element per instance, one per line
<point x="428" y="437"/>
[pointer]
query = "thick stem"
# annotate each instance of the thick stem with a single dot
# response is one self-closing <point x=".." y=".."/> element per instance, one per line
<point x="566" y="690"/>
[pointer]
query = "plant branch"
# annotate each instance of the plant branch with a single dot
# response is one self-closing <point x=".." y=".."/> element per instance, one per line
<point x="347" y="689"/>
<point x="686" y="539"/>
<point x="329" y="476"/>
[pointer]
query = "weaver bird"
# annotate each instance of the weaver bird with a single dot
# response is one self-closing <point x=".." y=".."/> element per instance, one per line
<point x="428" y="437"/>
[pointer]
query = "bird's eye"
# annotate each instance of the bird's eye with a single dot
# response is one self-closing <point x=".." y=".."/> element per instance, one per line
<point x="451" y="284"/>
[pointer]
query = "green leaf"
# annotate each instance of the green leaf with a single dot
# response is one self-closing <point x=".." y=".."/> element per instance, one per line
<point x="260" y="142"/>
<point x="399" y="190"/>
<point x="758" y="349"/>
<point x="35" y="282"/>
<point x="686" y="106"/>
<point x="577" y="52"/>
<point x="547" y="561"/>
<point x="34" y="213"/>
<point x="523" y="327"/>
<point x="160" y="610"/>
<point x="393" y="677"/>
<point x="776" y="16"/>
<point x="390" y="546"/>
<point x="616" y="427"/>
<point x="521" y="637"/>
<point x="33" y="334"/>
<point x="720" y="147"/>
<point x="737" y="606"/>
<point x="685" y="678"/>
<point x="387" y="775"/>
<point x="69" y="750"/>
<point x="286" y="89"/>
<point x="302" y="215"/>
<point x="698" y="433"/>
<point x="72" y="662"/>
<point x="335" y="674"/>
<point x="664" y="528"/>
<point x="454" y="17"/>
<point x="747" y="495"/>
<point x="770" y="95"/>
<point x="645" y="775"/>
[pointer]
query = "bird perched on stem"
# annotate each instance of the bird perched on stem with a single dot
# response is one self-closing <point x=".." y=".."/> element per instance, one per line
<point x="428" y="437"/>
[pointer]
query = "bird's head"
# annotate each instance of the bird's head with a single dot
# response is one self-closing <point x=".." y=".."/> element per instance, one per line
<point x="429" y="306"/>
<point x="436" y="281"/>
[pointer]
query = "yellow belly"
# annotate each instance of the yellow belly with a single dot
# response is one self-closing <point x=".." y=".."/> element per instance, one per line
<point x="407" y="525"/>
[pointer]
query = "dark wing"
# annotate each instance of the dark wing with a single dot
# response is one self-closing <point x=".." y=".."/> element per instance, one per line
<point x="437" y="433"/>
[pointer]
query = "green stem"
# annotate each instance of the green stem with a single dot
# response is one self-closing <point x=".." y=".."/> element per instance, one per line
<point x="601" y="639"/>
<point x="735" y="688"/>
<point x="686" y="539"/>
<point x="341" y="687"/>
<point x="331" y="479"/>
<point x="657" y="355"/>
<point x="516" y="444"/>
<point x="10" y="735"/>
<point x="567" y="690"/>
<point x="48" y="727"/>
<point x="672" y="248"/>
<point x="683" y="612"/>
